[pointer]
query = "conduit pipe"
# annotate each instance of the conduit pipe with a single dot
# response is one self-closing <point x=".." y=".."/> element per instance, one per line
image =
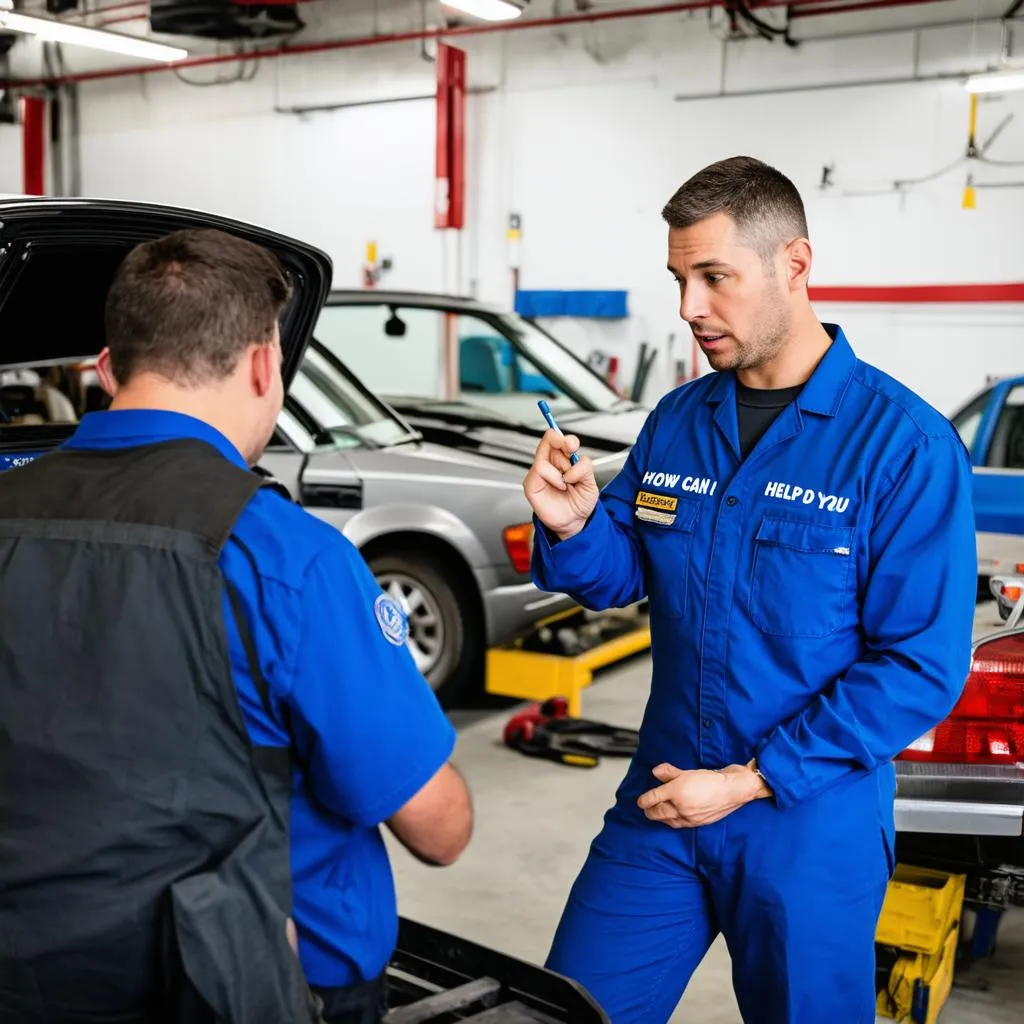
<point x="860" y="5"/>
<point x="324" y="46"/>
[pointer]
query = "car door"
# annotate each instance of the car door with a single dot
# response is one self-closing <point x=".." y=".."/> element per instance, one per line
<point x="999" y="469"/>
<point x="992" y="427"/>
<point x="316" y="472"/>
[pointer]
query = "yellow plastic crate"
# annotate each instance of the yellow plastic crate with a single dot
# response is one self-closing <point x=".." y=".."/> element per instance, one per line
<point x="921" y="908"/>
<point x="920" y="984"/>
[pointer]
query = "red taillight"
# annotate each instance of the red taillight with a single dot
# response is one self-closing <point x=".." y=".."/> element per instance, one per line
<point x="1011" y="592"/>
<point x="987" y="724"/>
<point x="519" y="545"/>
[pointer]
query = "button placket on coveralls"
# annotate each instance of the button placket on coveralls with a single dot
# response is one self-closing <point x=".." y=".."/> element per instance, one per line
<point x="730" y="533"/>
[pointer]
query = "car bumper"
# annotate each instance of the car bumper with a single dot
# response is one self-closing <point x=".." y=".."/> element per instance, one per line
<point x="970" y="800"/>
<point x="513" y="610"/>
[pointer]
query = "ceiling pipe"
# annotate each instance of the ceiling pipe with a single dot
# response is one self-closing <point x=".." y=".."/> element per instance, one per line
<point x="861" y="5"/>
<point x="356" y="42"/>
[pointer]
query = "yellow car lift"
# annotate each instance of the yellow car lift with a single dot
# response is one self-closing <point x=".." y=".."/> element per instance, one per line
<point x="535" y="675"/>
<point x="916" y="942"/>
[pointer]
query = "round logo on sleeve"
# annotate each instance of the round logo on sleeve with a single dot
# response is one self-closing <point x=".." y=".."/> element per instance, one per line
<point x="391" y="620"/>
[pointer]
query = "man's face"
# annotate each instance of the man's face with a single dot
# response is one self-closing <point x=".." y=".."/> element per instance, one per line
<point x="735" y="302"/>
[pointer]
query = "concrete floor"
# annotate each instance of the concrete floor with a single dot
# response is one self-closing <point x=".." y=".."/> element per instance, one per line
<point x="535" y="820"/>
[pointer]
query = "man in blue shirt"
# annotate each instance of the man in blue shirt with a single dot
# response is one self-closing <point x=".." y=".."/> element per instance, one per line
<point x="780" y="515"/>
<point x="194" y="353"/>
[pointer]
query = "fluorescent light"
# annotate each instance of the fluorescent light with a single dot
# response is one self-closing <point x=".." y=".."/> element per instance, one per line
<point x="996" y="81"/>
<point x="486" y="10"/>
<point x="77" y="35"/>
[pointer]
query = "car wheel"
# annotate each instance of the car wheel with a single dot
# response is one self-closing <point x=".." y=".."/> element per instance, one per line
<point x="442" y="640"/>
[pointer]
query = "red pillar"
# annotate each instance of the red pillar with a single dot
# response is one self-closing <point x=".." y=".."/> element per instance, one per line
<point x="33" y="145"/>
<point x="450" y="177"/>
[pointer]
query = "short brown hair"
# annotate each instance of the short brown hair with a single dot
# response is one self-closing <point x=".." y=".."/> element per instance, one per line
<point x="187" y="306"/>
<point x="763" y="203"/>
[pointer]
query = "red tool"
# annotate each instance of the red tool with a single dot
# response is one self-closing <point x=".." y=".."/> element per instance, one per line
<point x="548" y="731"/>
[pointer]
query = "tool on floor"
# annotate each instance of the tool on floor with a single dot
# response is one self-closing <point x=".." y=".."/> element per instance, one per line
<point x="548" y="731"/>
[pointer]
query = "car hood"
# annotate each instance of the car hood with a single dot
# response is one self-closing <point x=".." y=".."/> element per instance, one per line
<point x="415" y="459"/>
<point x="605" y="437"/>
<point x="58" y="257"/>
<point x="613" y="428"/>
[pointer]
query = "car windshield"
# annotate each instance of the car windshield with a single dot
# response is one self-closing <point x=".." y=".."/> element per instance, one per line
<point x="505" y="363"/>
<point x="339" y="407"/>
<point x="968" y="419"/>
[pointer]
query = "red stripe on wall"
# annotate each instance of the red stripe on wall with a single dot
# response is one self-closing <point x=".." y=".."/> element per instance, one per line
<point x="919" y="293"/>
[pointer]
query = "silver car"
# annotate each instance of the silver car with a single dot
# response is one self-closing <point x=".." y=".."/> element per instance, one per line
<point x="447" y="532"/>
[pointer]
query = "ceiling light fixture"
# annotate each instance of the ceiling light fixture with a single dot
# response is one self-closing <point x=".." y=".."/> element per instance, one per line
<point x="486" y="10"/>
<point x="996" y="81"/>
<point x="51" y="31"/>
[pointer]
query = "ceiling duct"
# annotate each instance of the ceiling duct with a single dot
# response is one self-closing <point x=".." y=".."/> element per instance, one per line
<point x="222" y="19"/>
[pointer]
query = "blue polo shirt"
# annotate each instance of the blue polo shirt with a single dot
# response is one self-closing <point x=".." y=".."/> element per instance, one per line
<point x="368" y="727"/>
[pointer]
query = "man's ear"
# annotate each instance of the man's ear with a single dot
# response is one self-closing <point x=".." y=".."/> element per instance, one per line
<point x="797" y="259"/>
<point x="264" y="368"/>
<point x="105" y="374"/>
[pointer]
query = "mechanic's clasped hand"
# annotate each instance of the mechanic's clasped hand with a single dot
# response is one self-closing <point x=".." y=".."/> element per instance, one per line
<point x="688" y="799"/>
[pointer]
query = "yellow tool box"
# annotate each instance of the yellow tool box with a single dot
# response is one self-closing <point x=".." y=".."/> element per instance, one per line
<point x="916" y="942"/>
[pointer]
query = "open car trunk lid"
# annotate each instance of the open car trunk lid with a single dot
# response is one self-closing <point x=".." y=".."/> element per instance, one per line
<point x="57" y="260"/>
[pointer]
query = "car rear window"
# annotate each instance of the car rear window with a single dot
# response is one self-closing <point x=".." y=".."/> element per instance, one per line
<point x="53" y="306"/>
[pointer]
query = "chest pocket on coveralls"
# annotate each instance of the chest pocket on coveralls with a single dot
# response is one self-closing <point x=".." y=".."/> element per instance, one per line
<point x="802" y="576"/>
<point x="667" y="558"/>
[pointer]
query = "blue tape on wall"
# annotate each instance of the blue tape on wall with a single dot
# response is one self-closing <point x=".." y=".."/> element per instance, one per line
<point x="601" y="305"/>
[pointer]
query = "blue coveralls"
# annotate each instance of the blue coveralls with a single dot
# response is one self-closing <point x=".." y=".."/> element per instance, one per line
<point x="367" y="727"/>
<point x="811" y="605"/>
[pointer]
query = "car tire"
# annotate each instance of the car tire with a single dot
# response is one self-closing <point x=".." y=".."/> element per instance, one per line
<point x="444" y="637"/>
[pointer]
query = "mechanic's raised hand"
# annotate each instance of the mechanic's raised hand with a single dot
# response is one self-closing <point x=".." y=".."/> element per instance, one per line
<point x="562" y="495"/>
<point x="693" y="798"/>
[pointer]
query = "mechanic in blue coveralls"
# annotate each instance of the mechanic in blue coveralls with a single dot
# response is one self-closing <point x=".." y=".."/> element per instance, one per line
<point x="194" y="352"/>
<point x="801" y="524"/>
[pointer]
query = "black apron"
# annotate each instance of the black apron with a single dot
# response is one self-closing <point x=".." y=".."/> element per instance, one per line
<point x="144" y="865"/>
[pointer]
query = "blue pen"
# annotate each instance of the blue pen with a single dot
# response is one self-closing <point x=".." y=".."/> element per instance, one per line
<point x="546" y="410"/>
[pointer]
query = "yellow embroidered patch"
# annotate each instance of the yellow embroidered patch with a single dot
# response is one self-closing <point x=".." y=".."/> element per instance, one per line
<point x="658" y="501"/>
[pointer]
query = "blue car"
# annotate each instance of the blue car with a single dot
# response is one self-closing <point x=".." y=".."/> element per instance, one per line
<point x="992" y="426"/>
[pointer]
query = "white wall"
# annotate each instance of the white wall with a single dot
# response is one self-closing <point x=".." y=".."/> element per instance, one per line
<point x="581" y="133"/>
<point x="10" y="158"/>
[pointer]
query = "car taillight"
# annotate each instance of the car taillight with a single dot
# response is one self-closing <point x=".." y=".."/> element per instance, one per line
<point x="519" y="545"/>
<point x="987" y="724"/>
<point x="1011" y="591"/>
